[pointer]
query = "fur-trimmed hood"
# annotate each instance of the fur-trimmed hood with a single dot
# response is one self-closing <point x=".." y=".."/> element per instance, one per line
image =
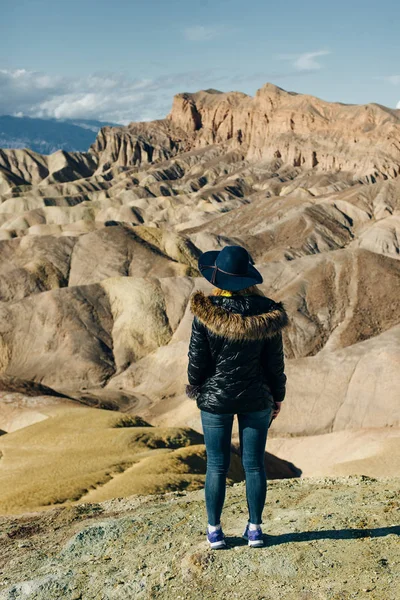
<point x="235" y="325"/>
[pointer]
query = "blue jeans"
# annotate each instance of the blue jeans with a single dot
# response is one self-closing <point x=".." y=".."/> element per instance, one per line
<point x="253" y="429"/>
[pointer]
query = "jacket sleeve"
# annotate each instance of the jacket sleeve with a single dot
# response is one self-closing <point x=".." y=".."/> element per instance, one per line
<point x="199" y="354"/>
<point x="273" y="366"/>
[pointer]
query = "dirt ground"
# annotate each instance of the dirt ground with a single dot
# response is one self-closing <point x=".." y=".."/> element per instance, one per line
<point x="326" y="538"/>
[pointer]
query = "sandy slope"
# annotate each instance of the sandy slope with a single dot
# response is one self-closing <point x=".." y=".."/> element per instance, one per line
<point x="77" y="449"/>
<point x="372" y="452"/>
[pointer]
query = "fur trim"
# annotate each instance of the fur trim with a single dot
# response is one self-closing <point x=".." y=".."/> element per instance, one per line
<point x="236" y="326"/>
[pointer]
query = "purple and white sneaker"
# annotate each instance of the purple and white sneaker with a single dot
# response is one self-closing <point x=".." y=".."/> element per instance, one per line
<point x="254" y="537"/>
<point x="216" y="539"/>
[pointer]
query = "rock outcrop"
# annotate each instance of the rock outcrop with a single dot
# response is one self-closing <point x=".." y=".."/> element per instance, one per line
<point x="298" y="129"/>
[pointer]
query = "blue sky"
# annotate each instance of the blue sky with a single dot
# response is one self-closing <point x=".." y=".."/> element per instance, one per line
<point x="123" y="60"/>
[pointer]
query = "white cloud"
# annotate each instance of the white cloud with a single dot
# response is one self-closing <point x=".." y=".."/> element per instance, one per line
<point x="398" y="104"/>
<point x="393" y="79"/>
<point x="106" y="97"/>
<point x="201" y="33"/>
<point x="305" y="61"/>
<point x="111" y="96"/>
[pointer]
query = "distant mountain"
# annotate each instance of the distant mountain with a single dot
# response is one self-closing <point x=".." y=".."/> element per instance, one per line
<point x="48" y="135"/>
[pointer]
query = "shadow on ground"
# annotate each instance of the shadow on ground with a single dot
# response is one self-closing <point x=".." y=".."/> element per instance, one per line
<point x="325" y="534"/>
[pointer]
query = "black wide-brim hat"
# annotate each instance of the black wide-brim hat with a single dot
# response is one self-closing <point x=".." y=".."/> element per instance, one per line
<point x="229" y="268"/>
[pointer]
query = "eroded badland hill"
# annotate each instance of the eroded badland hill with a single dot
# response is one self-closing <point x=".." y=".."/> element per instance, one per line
<point x="98" y="260"/>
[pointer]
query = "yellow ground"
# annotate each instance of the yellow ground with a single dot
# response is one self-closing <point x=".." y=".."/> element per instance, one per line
<point x="85" y="454"/>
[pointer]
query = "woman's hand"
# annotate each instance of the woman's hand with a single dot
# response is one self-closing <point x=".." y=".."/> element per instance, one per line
<point x="277" y="408"/>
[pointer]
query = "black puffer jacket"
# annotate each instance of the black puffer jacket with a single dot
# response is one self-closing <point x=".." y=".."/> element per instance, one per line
<point x="236" y="357"/>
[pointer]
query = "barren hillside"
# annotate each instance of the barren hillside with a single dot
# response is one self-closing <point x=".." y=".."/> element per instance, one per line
<point x="98" y="260"/>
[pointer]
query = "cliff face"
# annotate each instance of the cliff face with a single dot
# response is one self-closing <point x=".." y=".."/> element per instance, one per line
<point x="301" y="130"/>
<point x="275" y="126"/>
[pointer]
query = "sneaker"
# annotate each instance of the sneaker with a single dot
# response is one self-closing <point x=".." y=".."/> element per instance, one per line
<point x="253" y="537"/>
<point x="216" y="539"/>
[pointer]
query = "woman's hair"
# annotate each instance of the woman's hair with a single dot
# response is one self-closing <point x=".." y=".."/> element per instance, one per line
<point x="252" y="290"/>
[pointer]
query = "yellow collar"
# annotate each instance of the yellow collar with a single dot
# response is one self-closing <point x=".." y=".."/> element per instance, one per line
<point x="225" y="293"/>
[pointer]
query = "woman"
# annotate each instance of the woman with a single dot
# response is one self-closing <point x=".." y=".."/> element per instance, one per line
<point x="236" y="366"/>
